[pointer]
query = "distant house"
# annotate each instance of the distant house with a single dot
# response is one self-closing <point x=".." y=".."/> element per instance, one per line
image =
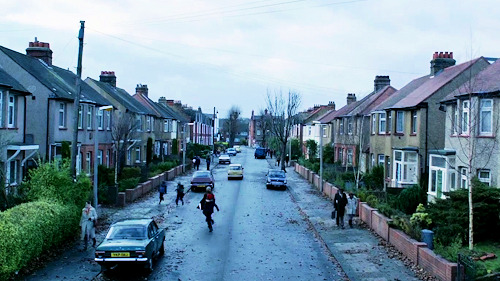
<point x="259" y="129"/>
<point x="472" y="114"/>
<point x="15" y="148"/>
<point x="311" y="130"/>
<point x="409" y="124"/>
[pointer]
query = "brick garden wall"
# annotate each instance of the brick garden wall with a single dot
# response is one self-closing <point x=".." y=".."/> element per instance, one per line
<point x="415" y="250"/>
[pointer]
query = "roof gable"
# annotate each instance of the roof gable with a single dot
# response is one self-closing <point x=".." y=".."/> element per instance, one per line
<point x="8" y="81"/>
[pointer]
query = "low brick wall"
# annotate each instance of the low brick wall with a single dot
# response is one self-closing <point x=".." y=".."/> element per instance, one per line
<point x="170" y="174"/>
<point x="316" y="181"/>
<point x="405" y="244"/>
<point x="155" y="180"/>
<point x="147" y="186"/>
<point x="380" y="224"/>
<point x="437" y="266"/>
<point x="121" y="199"/>
<point x="366" y="214"/>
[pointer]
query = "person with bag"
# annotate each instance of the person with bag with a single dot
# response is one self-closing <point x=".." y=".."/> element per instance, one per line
<point x="162" y="189"/>
<point x="180" y="194"/>
<point x="352" y="205"/>
<point x="207" y="205"/>
<point x="87" y="224"/>
<point x="339" y="203"/>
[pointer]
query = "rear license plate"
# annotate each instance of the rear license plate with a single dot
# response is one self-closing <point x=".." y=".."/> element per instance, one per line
<point x="277" y="183"/>
<point x="120" y="255"/>
<point x="202" y="185"/>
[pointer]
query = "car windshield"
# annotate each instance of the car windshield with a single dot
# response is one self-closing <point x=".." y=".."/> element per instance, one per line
<point x="277" y="174"/>
<point x="201" y="175"/>
<point x="127" y="232"/>
<point x="234" y="167"/>
<point x="224" y="155"/>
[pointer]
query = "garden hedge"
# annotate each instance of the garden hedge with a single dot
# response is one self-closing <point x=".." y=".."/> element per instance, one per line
<point x="30" y="229"/>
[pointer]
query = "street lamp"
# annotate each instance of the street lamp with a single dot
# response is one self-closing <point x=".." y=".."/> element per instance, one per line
<point x="96" y="147"/>
<point x="320" y="154"/>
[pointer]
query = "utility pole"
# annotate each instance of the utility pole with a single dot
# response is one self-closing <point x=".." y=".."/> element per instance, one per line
<point x="74" y="144"/>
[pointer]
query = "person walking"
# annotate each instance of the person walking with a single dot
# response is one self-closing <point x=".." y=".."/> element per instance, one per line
<point x="339" y="203"/>
<point x="271" y="153"/>
<point x="180" y="194"/>
<point x="278" y="160"/>
<point x="197" y="162"/>
<point x="207" y="205"/>
<point x="87" y="224"/>
<point x="352" y="205"/>
<point x="208" y="162"/>
<point x="162" y="189"/>
<point x="287" y="158"/>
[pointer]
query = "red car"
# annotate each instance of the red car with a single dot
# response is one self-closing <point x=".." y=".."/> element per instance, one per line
<point x="201" y="180"/>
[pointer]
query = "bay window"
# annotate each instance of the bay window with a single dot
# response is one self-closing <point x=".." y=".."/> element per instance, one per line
<point x="11" y="112"/>
<point x="405" y="167"/>
<point x="442" y="174"/>
<point x="100" y="119"/>
<point x="80" y="117"/>
<point x="62" y="115"/>
<point x="400" y="122"/>
<point x="349" y="125"/>
<point x="381" y="123"/>
<point x="389" y="122"/>
<point x="414" y="122"/>
<point x="465" y="117"/>
<point x="374" y="123"/>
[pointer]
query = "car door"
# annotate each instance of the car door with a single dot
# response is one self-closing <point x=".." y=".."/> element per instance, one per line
<point x="157" y="241"/>
<point x="152" y="245"/>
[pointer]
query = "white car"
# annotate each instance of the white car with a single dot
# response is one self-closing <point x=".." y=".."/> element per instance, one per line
<point x="224" y="158"/>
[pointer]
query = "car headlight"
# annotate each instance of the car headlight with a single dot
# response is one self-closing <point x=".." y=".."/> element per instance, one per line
<point x="284" y="182"/>
<point x="140" y="254"/>
<point x="99" y="254"/>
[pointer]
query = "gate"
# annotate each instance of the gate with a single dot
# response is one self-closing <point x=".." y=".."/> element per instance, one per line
<point x="466" y="269"/>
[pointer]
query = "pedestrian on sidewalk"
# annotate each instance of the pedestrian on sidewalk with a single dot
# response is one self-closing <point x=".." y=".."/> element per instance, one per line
<point x="87" y="224"/>
<point x="278" y="160"/>
<point x="180" y="194"/>
<point x="208" y="162"/>
<point x="197" y="162"/>
<point x="271" y="153"/>
<point x="287" y="158"/>
<point x="162" y="189"/>
<point x="339" y="203"/>
<point x="207" y="205"/>
<point x="352" y="205"/>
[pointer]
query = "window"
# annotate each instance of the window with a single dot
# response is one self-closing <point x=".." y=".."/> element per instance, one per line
<point x="463" y="178"/>
<point x="148" y="123"/>
<point x="108" y="120"/>
<point x="341" y="155"/>
<point x="441" y="175"/>
<point x="1" y="109"/>
<point x="89" y="162"/>
<point x="152" y="123"/>
<point x="11" y="117"/>
<point x="465" y="118"/>
<point x="138" y="123"/>
<point x="129" y="156"/>
<point x="12" y="173"/>
<point x="373" y="160"/>
<point x="381" y="160"/>
<point x="486" y="109"/>
<point x="324" y="131"/>
<point x="309" y="130"/>
<point x="381" y="123"/>
<point x="414" y="122"/>
<point x="484" y="176"/>
<point x="455" y="123"/>
<point x="89" y="117"/>
<point x="62" y="115"/>
<point x="389" y="122"/>
<point x="108" y="158"/>
<point x="138" y="154"/>
<point x="349" y="125"/>
<point x="100" y="119"/>
<point x="80" y="117"/>
<point x="374" y="123"/>
<point x="99" y="157"/>
<point x="258" y="132"/>
<point x="400" y="122"/>
<point x="405" y="167"/>
<point x="165" y="125"/>
<point x="341" y="126"/>
<point x="349" y="157"/>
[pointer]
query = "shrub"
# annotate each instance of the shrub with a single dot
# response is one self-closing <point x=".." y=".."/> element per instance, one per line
<point x="129" y="183"/>
<point x="421" y="218"/>
<point x="163" y="167"/>
<point x="372" y="201"/>
<point x="403" y="222"/>
<point x="130" y="172"/>
<point x="29" y="229"/>
<point x="450" y="251"/>
<point x="375" y="178"/>
<point x="408" y="200"/>
<point x="106" y="176"/>
<point x="312" y="149"/>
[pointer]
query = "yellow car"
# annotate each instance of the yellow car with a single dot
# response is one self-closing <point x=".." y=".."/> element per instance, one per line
<point x="235" y="171"/>
<point x="237" y="148"/>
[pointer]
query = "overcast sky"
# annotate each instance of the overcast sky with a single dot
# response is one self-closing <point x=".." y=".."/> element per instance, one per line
<point x="221" y="53"/>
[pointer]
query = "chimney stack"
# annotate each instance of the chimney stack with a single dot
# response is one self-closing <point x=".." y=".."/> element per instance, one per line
<point x="331" y="104"/>
<point x="40" y="50"/>
<point x="381" y="81"/>
<point x="162" y="101"/>
<point x="441" y="61"/>
<point x="351" y="98"/>
<point x="142" y="89"/>
<point x="108" y="77"/>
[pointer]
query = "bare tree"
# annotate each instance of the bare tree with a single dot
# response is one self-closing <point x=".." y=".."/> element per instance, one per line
<point x="123" y="131"/>
<point x="233" y="120"/>
<point x="283" y="112"/>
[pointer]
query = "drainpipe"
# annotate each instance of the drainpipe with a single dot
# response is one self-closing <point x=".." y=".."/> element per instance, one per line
<point x="47" y="156"/>
<point x="426" y="137"/>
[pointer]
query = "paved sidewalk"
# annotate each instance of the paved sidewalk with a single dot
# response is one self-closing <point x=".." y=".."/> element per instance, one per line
<point x="356" y="249"/>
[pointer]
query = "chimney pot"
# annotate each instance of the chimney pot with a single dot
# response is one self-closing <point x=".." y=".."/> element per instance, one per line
<point x="442" y="61"/>
<point x="40" y="50"/>
<point x="108" y="77"/>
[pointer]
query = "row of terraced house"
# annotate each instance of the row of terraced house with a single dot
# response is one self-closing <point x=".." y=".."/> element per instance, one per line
<point x="441" y="128"/>
<point x="37" y="109"/>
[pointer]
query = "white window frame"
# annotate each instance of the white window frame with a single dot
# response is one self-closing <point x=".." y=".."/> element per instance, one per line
<point x="381" y="160"/>
<point x="80" y="117"/>
<point x="148" y="123"/>
<point x="441" y="168"/>
<point x="100" y="119"/>
<point x="381" y="123"/>
<point x="12" y="173"/>
<point x="165" y="126"/>
<point x="108" y="157"/>
<point x="485" y="109"/>
<point x="455" y="120"/>
<point x="90" y="113"/>
<point x="414" y="116"/>
<point x="11" y="111"/>
<point x="138" y="122"/>
<point x="62" y="115"/>
<point x="108" y="120"/>
<point x="1" y="109"/>
<point x="341" y="126"/>
<point x="137" y="154"/>
<point x="349" y="125"/>
<point x="373" y="160"/>
<point x="129" y="156"/>
<point x="405" y="170"/>
<point x="400" y="122"/>
<point x="341" y="155"/>
<point x="99" y="156"/>
<point x="88" y="161"/>
<point x="350" y="157"/>
<point x="486" y="180"/>
<point x="464" y="183"/>
<point x="324" y="131"/>
<point x="374" y="124"/>
<point x="465" y="117"/>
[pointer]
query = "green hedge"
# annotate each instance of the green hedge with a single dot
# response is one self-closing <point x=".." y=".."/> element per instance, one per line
<point x="29" y="229"/>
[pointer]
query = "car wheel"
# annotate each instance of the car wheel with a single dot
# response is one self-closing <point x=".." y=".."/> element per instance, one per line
<point x="162" y="248"/>
<point x="267" y="186"/>
<point x="149" y="265"/>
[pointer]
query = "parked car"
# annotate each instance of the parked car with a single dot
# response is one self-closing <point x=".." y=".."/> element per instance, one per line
<point x="237" y="148"/>
<point x="224" y="158"/>
<point x="260" y="153"/>
<point x="231" y="151"/>
<point x="202" y="180"/>
<point x="235" y="171"/>
<point x="276" y="178"/>
<point x="132" y="241"/>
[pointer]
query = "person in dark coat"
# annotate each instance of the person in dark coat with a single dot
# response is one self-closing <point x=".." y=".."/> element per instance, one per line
<point x="339" y="203"/>
<point x="180" y="194"/>
<point x="208" y="162"/>
<point x="162" y="189"/>
<point x="207" y="205"/>
<point x="198" y="161"/>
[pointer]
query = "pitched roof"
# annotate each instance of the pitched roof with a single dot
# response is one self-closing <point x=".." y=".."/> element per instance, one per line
<point x="123" y="97"/>
<point x="59" y="81"/>
<point x="8" y="81"/>
<point x="318" y="112"/>
<point x="486" y="81"/>
<point x="408" y="88"/>
<point x="373" y="100"/>
<point x="431" y="84"/>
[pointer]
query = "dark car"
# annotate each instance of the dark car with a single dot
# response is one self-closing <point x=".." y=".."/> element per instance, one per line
<point x="201" y="180"/>
<point x="260" y="153"/>
<point x="276" y="179"/>
<point x="133" y="241"/>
